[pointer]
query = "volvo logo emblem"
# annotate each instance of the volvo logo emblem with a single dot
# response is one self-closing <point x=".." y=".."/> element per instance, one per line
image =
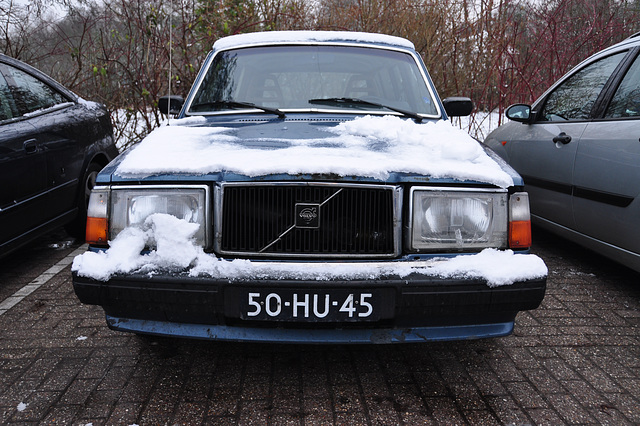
<point x="307" y="215"/>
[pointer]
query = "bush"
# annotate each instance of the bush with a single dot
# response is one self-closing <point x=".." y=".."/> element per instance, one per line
<point x="497" y="52"/>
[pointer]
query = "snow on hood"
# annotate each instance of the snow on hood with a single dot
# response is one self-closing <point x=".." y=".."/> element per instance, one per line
<point x="368" y="146"/>
<point x="176" y="252"/>
<point x="309" y="37"/>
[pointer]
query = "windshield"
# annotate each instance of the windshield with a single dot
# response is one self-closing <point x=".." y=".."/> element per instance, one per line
<point x="289" y="77"/>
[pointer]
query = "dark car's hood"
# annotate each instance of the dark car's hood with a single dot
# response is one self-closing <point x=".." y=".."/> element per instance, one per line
<point x="369" y="148"/>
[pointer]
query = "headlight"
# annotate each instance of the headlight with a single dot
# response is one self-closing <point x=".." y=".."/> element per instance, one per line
<point x="130" y="206"/>
<point x="457" y="219"/>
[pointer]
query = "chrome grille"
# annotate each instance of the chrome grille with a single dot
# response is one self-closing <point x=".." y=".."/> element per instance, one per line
<point x="307" y="220"/>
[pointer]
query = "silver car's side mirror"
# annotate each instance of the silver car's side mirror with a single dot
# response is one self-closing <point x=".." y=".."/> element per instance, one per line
<point x="519" y="112"/>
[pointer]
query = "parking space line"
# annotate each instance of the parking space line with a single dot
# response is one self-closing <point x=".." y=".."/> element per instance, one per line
<point x="25" y="291"/>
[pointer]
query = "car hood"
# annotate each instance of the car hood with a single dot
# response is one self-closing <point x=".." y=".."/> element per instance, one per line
<point x="380" y="148"/>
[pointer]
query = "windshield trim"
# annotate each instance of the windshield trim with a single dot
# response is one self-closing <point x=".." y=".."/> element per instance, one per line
<point x="341" y="111"/>
<point x="212" y="56"/>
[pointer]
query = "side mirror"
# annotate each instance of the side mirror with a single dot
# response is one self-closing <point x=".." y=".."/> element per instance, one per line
<point x="170" y="104"/>
<point x="519" y="112"/>
<point x="456" y="106"/>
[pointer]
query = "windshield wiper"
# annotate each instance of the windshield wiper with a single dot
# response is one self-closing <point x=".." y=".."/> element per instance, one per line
<point x="236" y="104"/>
<point x="362" y="102"/>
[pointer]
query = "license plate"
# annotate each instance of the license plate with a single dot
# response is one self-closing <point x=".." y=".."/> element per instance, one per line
<point x="336" y="305"/>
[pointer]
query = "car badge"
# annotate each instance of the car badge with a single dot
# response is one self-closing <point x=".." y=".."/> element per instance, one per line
<point x="307" y="215"/>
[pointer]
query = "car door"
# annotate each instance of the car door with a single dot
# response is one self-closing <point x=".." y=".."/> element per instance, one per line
<point x="544" y="152"/>
<point x="546" y="168"/>
<point x="23" y="170"/>
<point x="607" y="169"/>
<point x="50" y="113"/>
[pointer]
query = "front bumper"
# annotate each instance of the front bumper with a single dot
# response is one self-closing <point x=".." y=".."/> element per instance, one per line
<point x="423" y="308"/>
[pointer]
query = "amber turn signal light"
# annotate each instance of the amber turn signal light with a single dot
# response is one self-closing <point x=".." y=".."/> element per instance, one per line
<point x="519" y="221"/>
<point x="520" y="234"/>
<point x="96" y="231"/>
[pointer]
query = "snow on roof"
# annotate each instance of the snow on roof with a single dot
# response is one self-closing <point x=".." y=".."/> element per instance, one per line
<point x="309" y="37"/>
<point x="369" y="146"/>
<point x="176" y="251"/>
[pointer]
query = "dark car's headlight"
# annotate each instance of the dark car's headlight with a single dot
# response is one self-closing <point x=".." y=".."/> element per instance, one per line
<point x="457" y="219"/>
<point x="131" y="206"/>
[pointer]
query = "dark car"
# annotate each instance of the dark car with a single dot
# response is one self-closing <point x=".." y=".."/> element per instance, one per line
<point x="52" y="146"/>
<point x="311" y="190"/>
<point x="578" y="151"/>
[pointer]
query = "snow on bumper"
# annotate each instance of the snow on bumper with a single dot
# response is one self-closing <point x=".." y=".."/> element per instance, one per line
<point x="271" y="307"/>
<point x="177" y="289"/>
<point x="176" y="251"/>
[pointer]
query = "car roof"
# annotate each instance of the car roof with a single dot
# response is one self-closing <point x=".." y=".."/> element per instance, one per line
<point x="631" y="41"/>
<point x="310" y="37"/>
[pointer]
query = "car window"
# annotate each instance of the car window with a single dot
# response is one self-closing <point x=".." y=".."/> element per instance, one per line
<point x="626" y="101"/>
<point x="30" y="94"/>
<point x="5" y="96"/>
<point x="290" y="76"/>
<point x="574" y="98"/>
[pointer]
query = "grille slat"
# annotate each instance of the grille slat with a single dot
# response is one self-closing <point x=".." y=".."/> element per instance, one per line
<point x="354" y="220"/>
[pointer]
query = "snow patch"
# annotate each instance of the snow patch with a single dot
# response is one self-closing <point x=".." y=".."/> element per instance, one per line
<point x="308" y="37"/>
<point x="90" y="104"/>
<point x="177" y="252"/>
<point x="367" y="146"/>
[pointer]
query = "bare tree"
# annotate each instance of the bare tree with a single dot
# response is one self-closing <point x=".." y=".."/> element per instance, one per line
<point x="121" y="52"/>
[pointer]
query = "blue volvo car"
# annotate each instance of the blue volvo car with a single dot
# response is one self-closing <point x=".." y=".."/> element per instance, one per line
<point x="311" y="189"/>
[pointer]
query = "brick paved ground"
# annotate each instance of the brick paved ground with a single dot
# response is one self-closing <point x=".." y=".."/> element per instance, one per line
<point x="574" y="360"/>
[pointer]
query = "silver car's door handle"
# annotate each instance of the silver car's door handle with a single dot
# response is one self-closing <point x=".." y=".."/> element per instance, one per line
<point x="562" y="138"/>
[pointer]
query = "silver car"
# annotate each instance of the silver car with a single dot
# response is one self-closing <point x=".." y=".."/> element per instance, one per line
<point x="578" y="149"/>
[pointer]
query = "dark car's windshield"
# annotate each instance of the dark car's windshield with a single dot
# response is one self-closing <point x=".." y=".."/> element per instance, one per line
<point x="288" y="77"/>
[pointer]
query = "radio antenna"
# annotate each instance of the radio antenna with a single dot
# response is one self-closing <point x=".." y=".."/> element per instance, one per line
<point x="170" y="60"/>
